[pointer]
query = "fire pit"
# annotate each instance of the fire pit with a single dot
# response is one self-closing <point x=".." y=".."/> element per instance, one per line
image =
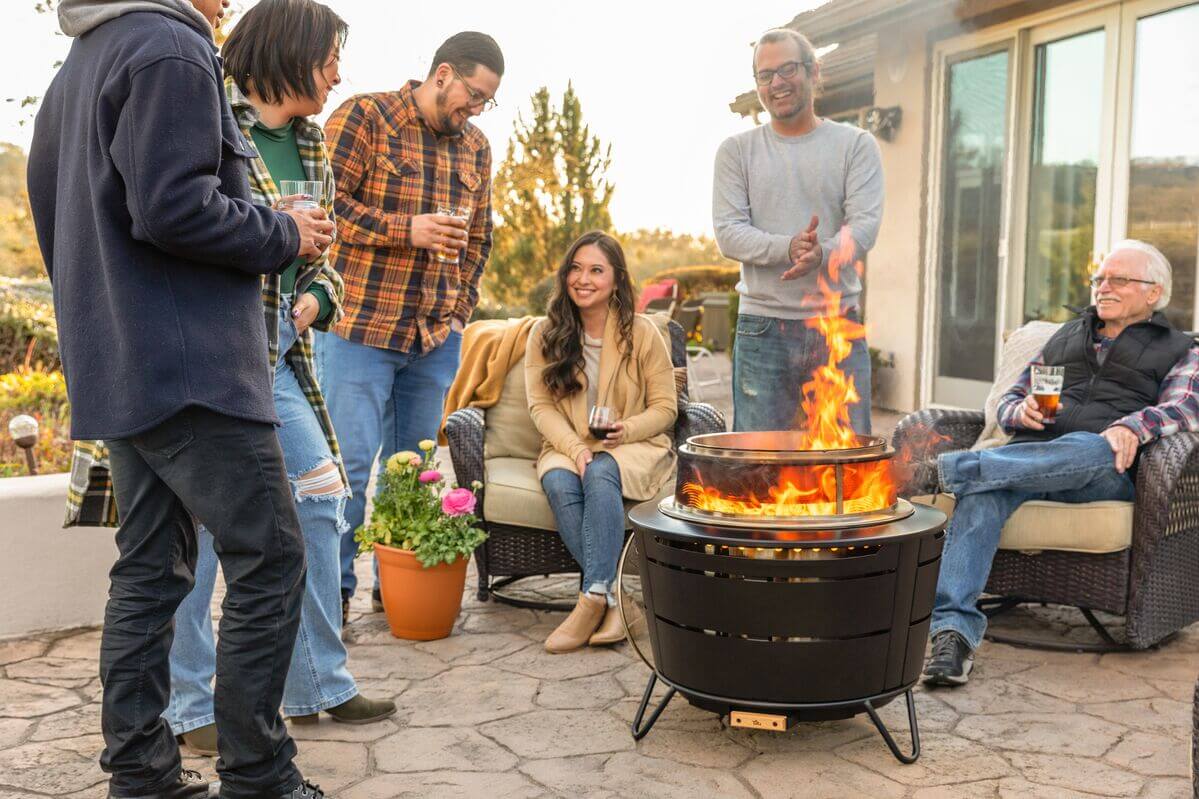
<point x="782" y="584"/>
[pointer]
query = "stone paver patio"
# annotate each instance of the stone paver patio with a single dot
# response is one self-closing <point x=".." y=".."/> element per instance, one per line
<point x="487" y="713"/>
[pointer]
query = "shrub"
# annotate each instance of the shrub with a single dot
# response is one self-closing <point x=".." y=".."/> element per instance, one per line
<point x="696" y="280"/>
<point x="42" y="395"/>
<point x="28" y="332"/>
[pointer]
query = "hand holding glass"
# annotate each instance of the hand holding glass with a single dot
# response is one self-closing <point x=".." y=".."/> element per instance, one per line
<point x="298" y="194"/>
<point x="450" y="256"/>
<point x="1047" y="389"/>
<point x="600" y="421"/>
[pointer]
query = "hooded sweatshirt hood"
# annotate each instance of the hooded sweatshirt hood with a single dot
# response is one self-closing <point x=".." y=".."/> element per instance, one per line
<point x="77" y="17"/>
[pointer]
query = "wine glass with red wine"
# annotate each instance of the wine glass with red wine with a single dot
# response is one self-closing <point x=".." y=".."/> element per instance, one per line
<point x="601" y="421"/>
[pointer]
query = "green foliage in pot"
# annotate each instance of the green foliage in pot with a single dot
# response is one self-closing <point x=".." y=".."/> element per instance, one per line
<point x="410" y="511"/>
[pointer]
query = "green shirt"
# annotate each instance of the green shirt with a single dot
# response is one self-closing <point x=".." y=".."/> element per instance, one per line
<point x="281" y="154"/>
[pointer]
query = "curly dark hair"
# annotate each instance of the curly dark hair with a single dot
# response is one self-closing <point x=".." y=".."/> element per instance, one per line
<point x="562" y="342"/>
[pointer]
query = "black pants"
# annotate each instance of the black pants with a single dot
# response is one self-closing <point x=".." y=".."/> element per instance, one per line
<point x="229" y="473"/>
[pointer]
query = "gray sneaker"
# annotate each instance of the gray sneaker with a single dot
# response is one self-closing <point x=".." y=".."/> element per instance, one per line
<point x="951" y="660"/>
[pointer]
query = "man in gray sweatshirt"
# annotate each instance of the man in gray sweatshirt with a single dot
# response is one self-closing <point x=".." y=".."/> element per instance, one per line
<point x="781" y="195"/>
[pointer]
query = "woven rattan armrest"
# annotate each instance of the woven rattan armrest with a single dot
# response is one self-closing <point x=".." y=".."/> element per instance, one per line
<point x="921" y="436"/>
<point x="464" y="429"/>
<point x="696" y="419"/>
<point x="1163" y="592"/>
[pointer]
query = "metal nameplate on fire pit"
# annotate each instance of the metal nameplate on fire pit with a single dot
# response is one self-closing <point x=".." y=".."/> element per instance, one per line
<point x="902" y="510"/>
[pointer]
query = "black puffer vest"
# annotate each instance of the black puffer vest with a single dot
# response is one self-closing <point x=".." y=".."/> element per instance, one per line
<point x="1129" y="380"/>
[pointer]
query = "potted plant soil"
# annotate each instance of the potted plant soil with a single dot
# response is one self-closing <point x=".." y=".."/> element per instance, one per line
<point x="423" y="540"/>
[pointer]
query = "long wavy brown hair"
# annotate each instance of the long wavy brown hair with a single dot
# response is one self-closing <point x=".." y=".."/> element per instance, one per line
<point x="562" y="342"/>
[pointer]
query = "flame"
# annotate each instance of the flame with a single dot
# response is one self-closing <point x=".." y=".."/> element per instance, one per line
<point x="811" y="490"/>
<point x="830" y="392"/>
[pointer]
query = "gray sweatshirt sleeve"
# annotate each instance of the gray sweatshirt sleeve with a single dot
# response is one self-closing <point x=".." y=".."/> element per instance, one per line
<point x="736" y="236"/>
<point x="863" y="198"/>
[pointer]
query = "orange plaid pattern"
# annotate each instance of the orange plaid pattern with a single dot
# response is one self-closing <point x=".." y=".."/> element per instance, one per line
<point x="391" y="166"/>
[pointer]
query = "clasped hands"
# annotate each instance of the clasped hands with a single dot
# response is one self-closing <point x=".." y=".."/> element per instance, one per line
<point x="805" y="253"/>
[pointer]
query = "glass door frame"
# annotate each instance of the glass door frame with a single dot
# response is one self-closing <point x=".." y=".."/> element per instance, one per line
<point x="946" y="58"/>
<point x="1022" y="36"/>
<point x="1108" y="19"/>
<point x="1131" y="12"/>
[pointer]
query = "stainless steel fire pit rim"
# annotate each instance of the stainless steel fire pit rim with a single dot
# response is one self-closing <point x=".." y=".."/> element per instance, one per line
<point x="900" y="510"/>
<point x="648" y="517"/>
<point x="783" y="446"/>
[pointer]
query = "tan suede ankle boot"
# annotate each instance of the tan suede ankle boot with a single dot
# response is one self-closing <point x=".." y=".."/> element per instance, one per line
<point x="576" y="630"/>
<point x="611" y="629"/>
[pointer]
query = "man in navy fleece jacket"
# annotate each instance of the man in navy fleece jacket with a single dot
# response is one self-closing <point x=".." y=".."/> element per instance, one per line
<point x="138" y="184"/>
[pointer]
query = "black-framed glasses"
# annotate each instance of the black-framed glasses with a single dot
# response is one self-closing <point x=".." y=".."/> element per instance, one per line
<point x="1117" y="281"/>
<point x="476" y="97"/>
<point x="786" y="70"/>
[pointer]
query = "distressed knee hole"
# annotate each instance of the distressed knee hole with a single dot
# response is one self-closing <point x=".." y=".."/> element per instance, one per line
<point x="323" y="480"/>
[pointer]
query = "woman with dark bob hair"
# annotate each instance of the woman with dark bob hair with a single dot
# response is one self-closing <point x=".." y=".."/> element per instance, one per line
<point x="594" y="351"/>
<point x="281" y="63"/>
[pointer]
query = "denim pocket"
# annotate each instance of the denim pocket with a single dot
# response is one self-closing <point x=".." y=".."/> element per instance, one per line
<point x="168" y="439"/>
<point x="752" y="325"/>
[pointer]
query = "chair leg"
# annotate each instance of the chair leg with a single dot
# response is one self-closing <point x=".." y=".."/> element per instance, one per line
<point x="997" y="606"/>
<point x="484" y="591"/>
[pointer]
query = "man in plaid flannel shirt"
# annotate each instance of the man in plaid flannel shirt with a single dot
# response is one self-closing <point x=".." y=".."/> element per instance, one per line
<point x="411" y="273"/>
<point x="1130" y="378"/>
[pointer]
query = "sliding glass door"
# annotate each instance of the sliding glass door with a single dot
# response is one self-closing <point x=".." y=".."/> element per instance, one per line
<point x="972" y="182"/>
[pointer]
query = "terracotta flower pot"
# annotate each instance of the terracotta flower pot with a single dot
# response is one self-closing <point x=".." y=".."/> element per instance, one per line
<point x="421" y="603"/>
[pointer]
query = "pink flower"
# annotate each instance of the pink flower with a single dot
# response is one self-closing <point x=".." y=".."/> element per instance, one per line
<point x="430" y="476"/>
<point x="458" y="502"/>
<point x="416" y="461"/>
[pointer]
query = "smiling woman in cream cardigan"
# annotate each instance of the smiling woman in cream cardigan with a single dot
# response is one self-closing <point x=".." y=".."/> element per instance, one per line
<point x="593" y="349"/>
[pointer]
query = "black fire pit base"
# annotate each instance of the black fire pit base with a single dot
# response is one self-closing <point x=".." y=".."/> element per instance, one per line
<point x="793" y="713"/>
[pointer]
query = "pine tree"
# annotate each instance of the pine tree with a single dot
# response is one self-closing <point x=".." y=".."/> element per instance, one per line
<point x="550" y="188"/>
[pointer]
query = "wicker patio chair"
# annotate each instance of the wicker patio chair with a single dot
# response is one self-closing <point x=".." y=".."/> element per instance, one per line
<point x="1151" y="582"/>
<point x="514" y="551"/>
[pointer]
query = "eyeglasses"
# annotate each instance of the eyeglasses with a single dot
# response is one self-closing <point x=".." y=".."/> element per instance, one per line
<point x="476" y="97"/>
<point x="1117" y="281"/>
<point x="786" y="70"/>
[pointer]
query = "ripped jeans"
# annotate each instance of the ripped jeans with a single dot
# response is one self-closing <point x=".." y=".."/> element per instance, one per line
<point x="773" y="358"/>
<point x="317" y="678"/>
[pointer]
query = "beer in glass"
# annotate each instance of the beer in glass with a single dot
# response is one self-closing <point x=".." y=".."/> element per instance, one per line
<point x="1047" y="389"/>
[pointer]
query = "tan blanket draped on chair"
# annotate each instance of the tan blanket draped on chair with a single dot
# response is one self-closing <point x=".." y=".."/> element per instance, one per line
<point x="490" y="348"/>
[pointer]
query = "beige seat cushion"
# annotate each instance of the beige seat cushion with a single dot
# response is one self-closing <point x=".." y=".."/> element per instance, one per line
<point x="508" y="428"/>
<point x="1093" y="527"/>
<point x="514" y="496"/>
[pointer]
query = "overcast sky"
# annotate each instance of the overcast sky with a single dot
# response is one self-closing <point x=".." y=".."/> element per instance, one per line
<point x="655" y="78"/>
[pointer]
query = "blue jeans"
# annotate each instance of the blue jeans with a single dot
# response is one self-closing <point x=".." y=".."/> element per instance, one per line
<point x="317" y="677"/>
<point x="773" y="358"/>
<point x="381" y="402"/>
<point x="989" y="486"/>
<point x="590" y="517"/>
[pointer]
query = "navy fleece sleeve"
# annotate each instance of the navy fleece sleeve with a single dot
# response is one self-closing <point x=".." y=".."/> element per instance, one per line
<point x="168" y="148"/>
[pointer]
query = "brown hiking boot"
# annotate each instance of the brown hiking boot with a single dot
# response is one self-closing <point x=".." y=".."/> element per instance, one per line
<point x="357" y="710"/>
<point x="200" y="741"/>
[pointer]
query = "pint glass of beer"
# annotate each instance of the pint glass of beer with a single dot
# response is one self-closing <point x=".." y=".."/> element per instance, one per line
<point x="1047" y="389"/>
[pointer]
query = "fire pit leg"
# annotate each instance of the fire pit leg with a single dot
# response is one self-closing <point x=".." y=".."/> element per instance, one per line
<point x="883" y="731"/>
<point x="639" y="731"/>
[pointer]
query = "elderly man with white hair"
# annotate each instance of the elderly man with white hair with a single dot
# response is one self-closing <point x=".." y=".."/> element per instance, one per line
<point x="1130" y="378"/>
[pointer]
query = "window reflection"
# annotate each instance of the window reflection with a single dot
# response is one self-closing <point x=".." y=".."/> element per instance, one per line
<point x="1163" y="201"/>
